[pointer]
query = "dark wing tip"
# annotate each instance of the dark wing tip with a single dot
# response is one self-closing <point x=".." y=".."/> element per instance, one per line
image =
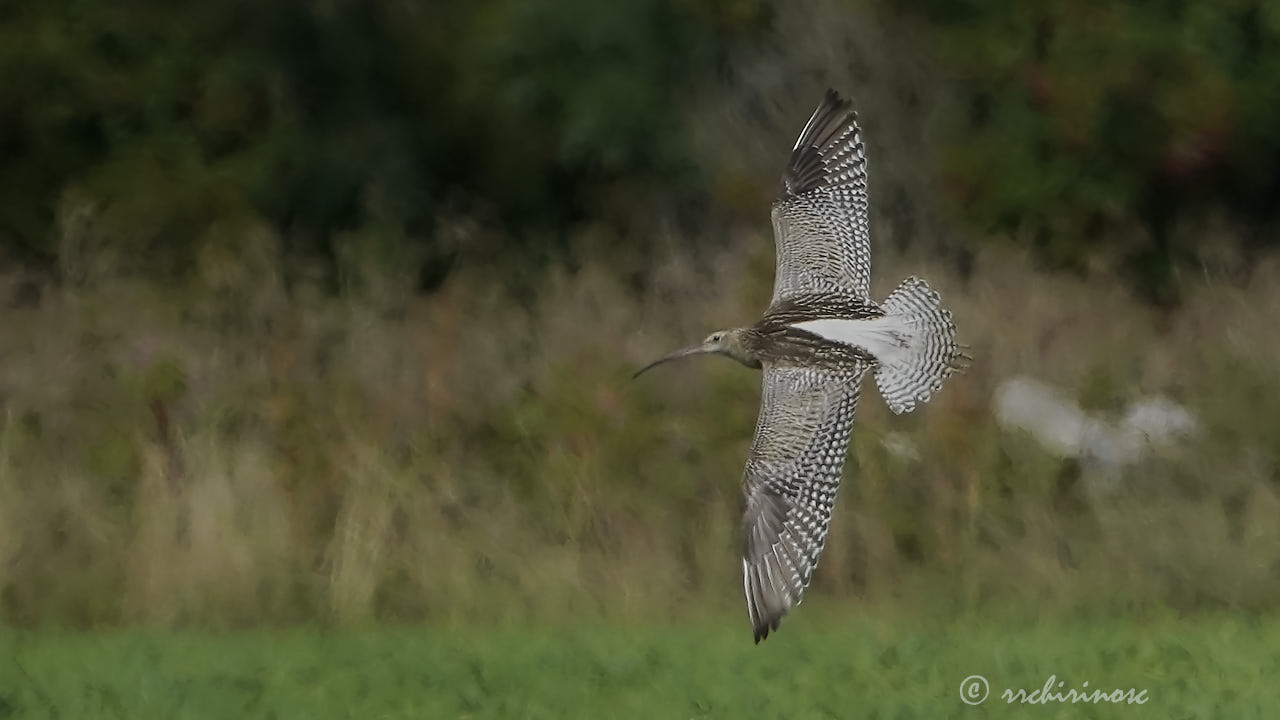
<point x="762" y="630"/>
<point x="768" y="601"/>
<point x="771" y="584"/>
<point x="831" y="120"/>
<point x="764" y="607"/>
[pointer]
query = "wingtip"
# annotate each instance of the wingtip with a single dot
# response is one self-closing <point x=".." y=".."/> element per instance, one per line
<point x="762" y="630"/>
<point x="834" y="103"/>
<point x="831" y="119"/>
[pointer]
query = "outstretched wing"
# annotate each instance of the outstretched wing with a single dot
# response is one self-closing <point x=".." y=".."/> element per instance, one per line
<point x="820" y="221"/>
<point x="793" y="470"/>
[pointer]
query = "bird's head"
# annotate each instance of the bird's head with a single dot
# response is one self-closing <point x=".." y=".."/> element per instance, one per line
<point x="721" y="342"/>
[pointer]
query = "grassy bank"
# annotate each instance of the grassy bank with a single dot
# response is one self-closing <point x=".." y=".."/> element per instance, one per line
<point x="824" y="666"/>
<point x="243" y="453"/>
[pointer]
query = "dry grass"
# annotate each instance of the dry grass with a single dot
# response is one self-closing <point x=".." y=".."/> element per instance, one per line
<point x="239" y="451"/>
<point x="172" y="459"/>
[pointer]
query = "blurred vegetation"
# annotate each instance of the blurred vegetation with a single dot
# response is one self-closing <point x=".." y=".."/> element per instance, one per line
<point x="183" y="122"/>
<point x="1093" y="132"/>
<point x="326" y="310"/>
<point x="884" y="666"/>
<point x="260" y="458"/>
<point x="1090" y="125"/>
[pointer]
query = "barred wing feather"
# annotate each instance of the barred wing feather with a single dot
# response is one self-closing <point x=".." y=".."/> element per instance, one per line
<point x="793" y="471"/>
<point x="820" y="220"/>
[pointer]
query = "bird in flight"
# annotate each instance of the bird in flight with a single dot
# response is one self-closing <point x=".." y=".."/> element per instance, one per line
<point x="820" y="334"/>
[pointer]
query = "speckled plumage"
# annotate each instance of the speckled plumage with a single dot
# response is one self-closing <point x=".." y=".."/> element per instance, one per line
<point x="811" y="383"/>
<point x="821" y="333"/>
<point x="793" y="471"/>
<point x="821" y="223"/>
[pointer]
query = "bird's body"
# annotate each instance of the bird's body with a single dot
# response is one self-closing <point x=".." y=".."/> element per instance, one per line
<point x="819" y="336"/>
<point x="779" y="337"/>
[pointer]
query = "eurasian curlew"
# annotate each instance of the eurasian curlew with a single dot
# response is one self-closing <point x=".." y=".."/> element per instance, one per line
<point x="820" y="334"/>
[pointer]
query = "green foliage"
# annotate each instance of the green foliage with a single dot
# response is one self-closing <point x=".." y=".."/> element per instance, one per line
<point x="171" y="119"/>
<point x="892" y="666"/>
<point x="1091" y="128"/>
<point x="286" y="429"/>
<point x="164" y="381"/>
<point x="1096" y="133"/>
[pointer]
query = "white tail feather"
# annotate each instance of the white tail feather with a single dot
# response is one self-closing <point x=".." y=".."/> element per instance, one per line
<point x="929" y="352"/>
<point x="914" y="344"/>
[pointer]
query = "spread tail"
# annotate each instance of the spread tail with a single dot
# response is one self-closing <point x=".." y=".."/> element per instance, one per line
<point x="925" y="352"/>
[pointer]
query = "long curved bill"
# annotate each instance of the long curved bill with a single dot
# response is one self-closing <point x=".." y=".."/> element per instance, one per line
<point x="686" y="352"/>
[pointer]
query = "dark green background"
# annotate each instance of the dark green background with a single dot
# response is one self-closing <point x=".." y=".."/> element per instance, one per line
<point x="1076" y="128"/>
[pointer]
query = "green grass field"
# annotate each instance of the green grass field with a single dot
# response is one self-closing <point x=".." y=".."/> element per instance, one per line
<point x="819" y="666"/>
